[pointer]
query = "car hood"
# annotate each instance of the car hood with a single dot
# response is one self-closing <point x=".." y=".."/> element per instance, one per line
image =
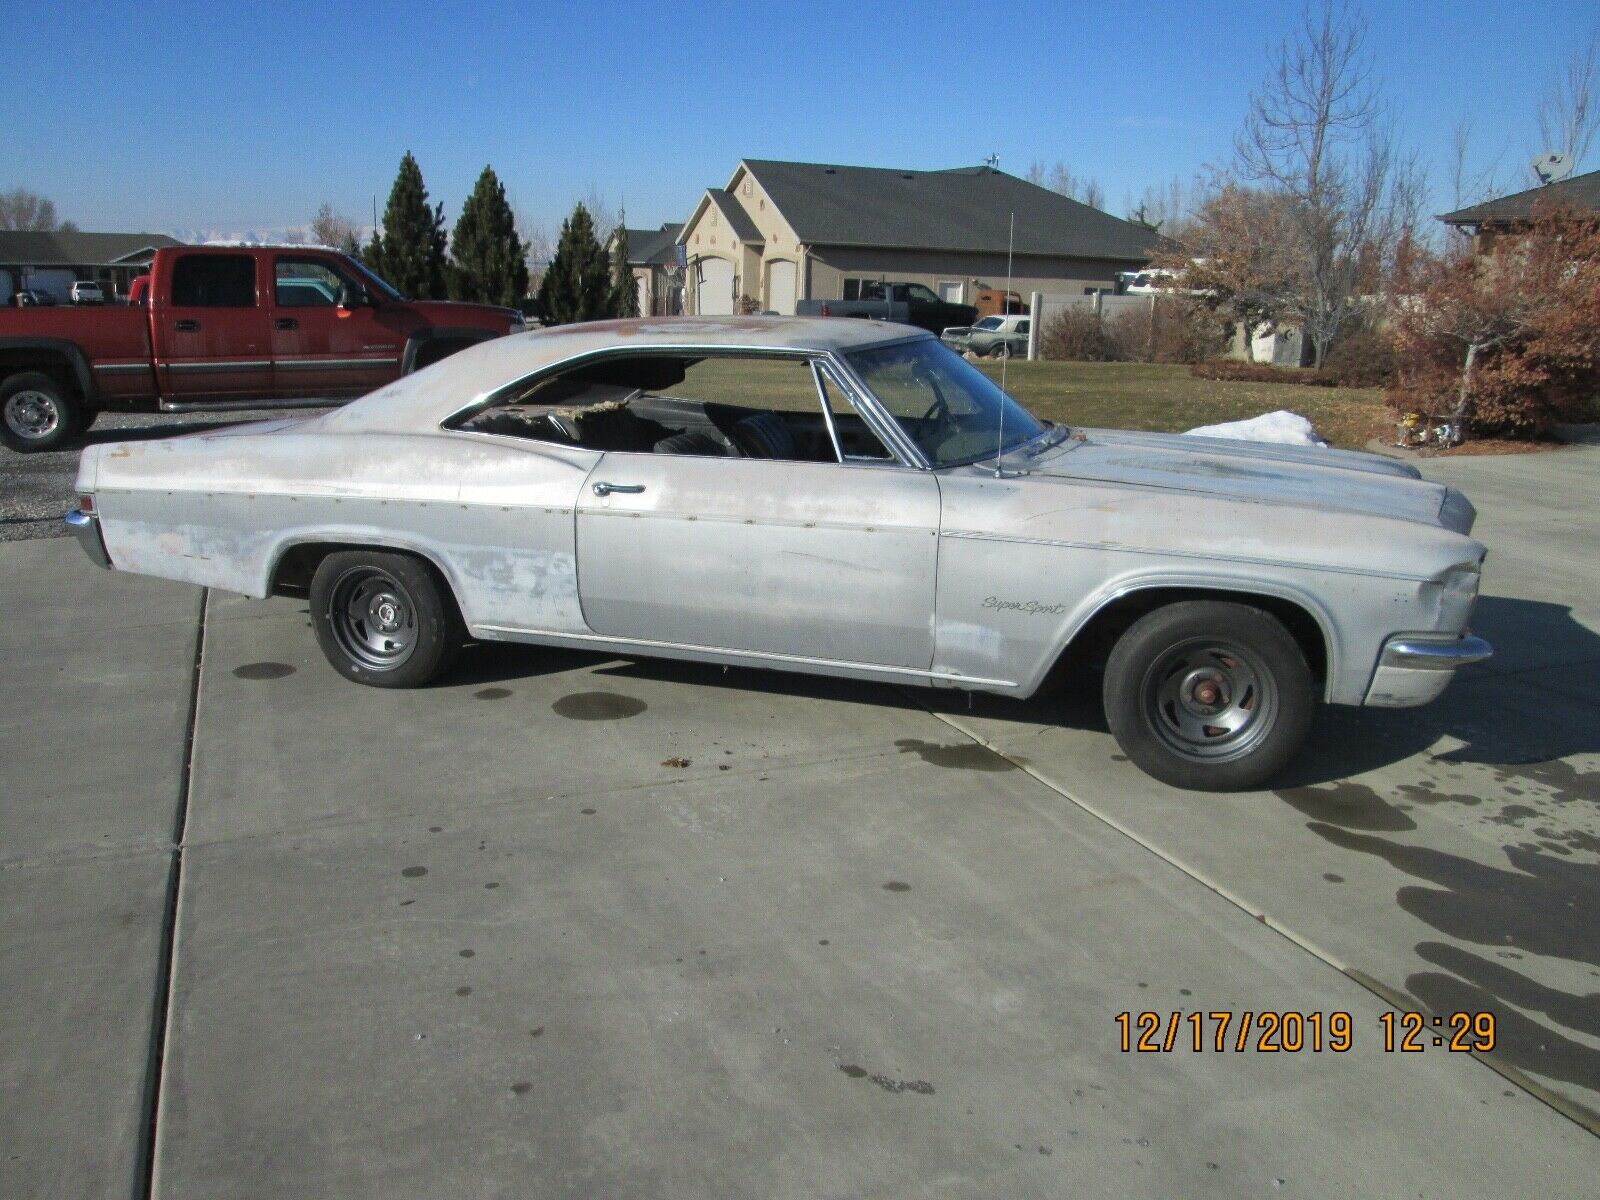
<point x="460" y="314"/>
<point x="1302" y="476"/>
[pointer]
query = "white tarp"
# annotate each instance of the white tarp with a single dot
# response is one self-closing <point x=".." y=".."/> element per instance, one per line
<point x="1282" y="427"/>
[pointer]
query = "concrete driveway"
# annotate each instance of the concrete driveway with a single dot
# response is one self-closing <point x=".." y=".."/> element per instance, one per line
<point x="268" y="934"/>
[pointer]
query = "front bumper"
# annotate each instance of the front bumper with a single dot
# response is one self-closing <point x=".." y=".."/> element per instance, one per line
<point x="1413" y="669"/>
<point x="86" y="528"/>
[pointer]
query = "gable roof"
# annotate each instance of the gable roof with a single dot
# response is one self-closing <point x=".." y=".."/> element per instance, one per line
<point x="651" y="246"/>
<point x="733" y="212"/>
<point x="965" y="208"/>
<point x="73" y="248"/>
<point x="1581" y="191"/>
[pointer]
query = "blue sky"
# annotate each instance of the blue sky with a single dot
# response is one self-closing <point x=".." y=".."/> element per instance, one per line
<point x="230" y="116"/>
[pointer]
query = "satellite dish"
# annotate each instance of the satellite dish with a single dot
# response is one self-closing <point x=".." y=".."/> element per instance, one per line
<point x="1552" y="167"/>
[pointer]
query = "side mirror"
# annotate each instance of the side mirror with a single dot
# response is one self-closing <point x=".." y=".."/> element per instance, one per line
<point x="352" y="295"/>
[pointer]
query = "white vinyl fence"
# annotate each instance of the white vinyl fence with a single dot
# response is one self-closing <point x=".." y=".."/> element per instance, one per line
<point x="1044" y="305"/>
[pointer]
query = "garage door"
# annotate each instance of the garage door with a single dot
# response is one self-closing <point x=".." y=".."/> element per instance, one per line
<point x="716" y="287"/>
<point x="780" y="288"/>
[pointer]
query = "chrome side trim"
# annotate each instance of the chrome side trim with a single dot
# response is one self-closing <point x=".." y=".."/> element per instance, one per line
<point x="86" y="528"/>
<point x="331" y="364"/>
<point x="193" y="368"/>
<point x="1164" y="551"/>
<point x="120" y="368"/>
<point x="607" y="641"/>
<point x="1412" y="652"/>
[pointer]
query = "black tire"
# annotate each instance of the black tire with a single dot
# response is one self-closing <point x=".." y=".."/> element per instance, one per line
<point x="37" y="413"/>
<point x="384" y="619"/>
<point x="1209" y="695"/>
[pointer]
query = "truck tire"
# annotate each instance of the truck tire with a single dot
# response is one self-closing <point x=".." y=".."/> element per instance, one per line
<point x="1208" y="695"/>
<point x="384" y="619"/>
<point x="36" y="413"/>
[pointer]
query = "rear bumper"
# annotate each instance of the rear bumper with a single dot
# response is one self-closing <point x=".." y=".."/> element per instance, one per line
<point x="86" y="528"/>
<point x="1414" y="669"/>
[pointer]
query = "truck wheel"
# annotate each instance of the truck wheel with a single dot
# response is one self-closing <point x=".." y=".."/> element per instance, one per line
<point x="1208" y="695"/>
<point x="383" y="619"/>
<point x="36" y="413"/>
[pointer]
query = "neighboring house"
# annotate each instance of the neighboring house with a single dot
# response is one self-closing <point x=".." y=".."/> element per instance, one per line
<point x="1487" y="221"/>
<point x="53" y="262"/>
<point x="653" y="257"/>
<point x="784" y="231"/>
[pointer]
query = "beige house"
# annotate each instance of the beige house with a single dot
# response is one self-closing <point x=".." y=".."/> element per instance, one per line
<point x="780" y="232"/>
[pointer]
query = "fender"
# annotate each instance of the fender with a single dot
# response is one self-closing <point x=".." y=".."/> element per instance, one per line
<point x="443" y="333"/>
<point x="1125" y="586"/>
<point x="62" y="347"/>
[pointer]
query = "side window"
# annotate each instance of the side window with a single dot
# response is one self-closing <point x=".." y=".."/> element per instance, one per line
<point x="1022" y="326"/>
<point x="305" y="283"/>
<point x="214" y="281"/>
<point x="716" y="406"/>
<point x="852" y="289"/>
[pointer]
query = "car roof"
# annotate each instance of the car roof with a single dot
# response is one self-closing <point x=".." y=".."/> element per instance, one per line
<point x="419" y="402"/>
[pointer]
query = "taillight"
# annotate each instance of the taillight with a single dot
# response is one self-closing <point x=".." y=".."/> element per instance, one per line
<point x="824" y="310"/>
<point x="86" y="503"/>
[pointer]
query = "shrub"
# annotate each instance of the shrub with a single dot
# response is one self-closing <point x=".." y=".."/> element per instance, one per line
<point x="1234" y="370"/>
<point x="1507" y="342"/>
<point x="1361" y="358"/>
<point x="1078" y="335"/>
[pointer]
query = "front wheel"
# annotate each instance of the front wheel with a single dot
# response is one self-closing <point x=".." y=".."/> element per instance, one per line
<point x="1207" y="695"/>
<point x="36" y="413"/>
<point x="384" y="619"/>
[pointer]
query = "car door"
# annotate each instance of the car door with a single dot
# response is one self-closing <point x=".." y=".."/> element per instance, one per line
<point x="211" y="332"/>
<point x="819" y="560"/>
<point x="319" y="348"/>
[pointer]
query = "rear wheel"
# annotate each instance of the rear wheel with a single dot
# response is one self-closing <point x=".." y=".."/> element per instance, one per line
<point x="1207" y="695"/>
<point x="36" y="413"/>
<point x="384" y="619"/>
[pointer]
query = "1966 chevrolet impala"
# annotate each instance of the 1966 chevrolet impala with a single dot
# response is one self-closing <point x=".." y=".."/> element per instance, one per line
<point x="834" y="496"/>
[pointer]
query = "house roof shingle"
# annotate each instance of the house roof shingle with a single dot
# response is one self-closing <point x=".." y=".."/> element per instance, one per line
<point x="966" y="208"/>
<point x="1582" y="191"/>
<point x="652" y="246"/>
<point x="738" y="220"/>
<point x="73" y="248"/>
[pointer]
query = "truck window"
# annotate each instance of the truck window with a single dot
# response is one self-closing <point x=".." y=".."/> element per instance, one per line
<point x="214" y="281"/>
<point x="305" y="283"/>
<point x="915" y="291"/>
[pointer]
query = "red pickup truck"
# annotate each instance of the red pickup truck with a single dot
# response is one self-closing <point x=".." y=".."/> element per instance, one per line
<point x="224" y="327"/>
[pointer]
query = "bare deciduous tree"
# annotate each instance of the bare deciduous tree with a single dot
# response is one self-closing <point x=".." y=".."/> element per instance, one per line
<point x="1569" y="109"/>
<point x="23" y="209"/>
<point x="1062" y="181"/>
<point x="334" y="229"/>
<point x="1316" y="135"/>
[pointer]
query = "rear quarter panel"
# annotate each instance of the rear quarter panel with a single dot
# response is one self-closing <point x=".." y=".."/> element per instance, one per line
<point x="112" y="340"/>
<point x="495" y="515"/>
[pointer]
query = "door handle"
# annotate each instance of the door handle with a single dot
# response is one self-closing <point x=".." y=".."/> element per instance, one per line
<point x="605" y="489"/>
<point x="187" y="326"/>
<point x="286" y="323"/>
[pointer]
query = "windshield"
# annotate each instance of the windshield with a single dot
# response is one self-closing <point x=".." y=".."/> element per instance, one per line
<point x="366" y="273"/>
<point x="945" y="404"/>
<point x="988" y="323"/>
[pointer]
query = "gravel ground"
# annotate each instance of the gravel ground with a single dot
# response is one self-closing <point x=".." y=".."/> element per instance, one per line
<point x="36" y="489"/>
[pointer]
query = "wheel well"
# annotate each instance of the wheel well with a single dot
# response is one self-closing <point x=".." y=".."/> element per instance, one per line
<point x="46" y="362"/>
<point x="291" y="575"/>
<point x="433" y="351"/>
<point x="1093" y="642"/>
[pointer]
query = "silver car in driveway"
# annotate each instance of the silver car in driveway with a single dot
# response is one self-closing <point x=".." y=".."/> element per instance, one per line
<point x="830" y="496"/>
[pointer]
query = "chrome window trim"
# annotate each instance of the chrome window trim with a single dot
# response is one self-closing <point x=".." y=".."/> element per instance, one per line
<point x="888" y="431"/>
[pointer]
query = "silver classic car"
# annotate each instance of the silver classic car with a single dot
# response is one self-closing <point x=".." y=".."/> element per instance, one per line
<point x="831" y="496"/>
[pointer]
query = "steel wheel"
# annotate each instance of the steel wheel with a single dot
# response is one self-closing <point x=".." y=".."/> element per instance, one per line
<point x="1209" y="700"/>
<point x="33" y="415"/>
<point x="373" y="618"/>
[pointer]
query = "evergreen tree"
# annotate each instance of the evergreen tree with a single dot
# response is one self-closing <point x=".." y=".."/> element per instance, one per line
<point x="487" y="256"/>
<point x="372" y="254"/>
<point x="624" y="290"/>
<point x="577" y="284"/>
<point x="413" y="243"/>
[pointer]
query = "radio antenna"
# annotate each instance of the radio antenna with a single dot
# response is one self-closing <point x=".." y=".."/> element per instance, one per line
<point x="1005" y="352"/>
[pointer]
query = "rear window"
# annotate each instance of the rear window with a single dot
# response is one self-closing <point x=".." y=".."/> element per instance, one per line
<point x="214" y="281"/>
